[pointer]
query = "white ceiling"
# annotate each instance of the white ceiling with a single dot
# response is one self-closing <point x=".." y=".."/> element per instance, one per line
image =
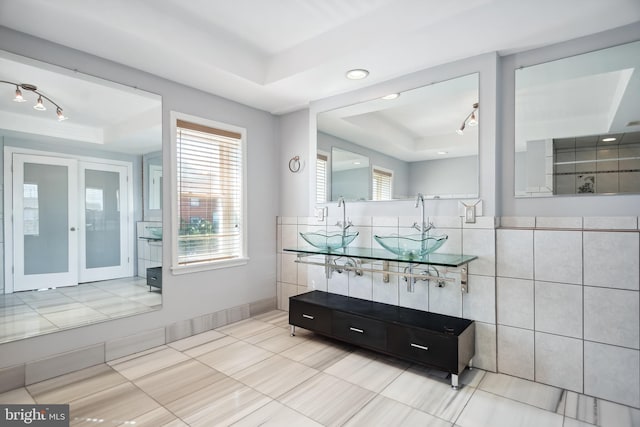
<point x="279" y="55"/>
<point x="102" y="115"/>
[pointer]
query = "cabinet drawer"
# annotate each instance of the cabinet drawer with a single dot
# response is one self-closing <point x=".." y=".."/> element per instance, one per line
<point x="359" y="330"/>
<point x="310" y="316"/>
<point x="154" y="277"/>
<point x="422" y="346"/>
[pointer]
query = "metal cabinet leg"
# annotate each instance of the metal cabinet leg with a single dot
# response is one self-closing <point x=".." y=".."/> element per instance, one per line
<point x="293" y="330"/>
<point x="470" y="364"/>
<point x="454" y="381"/>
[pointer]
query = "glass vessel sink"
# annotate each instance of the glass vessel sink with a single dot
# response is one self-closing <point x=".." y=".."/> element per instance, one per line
<point x="155" y="232"/>
<point x="329" y="240"/>
<point x="412" y="246"/>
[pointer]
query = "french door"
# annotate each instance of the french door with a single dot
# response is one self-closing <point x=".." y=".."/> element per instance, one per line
<point x="45" y="222"/>
<point x="70" y="222"/>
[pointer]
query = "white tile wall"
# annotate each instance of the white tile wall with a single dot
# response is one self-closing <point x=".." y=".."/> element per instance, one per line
<point x="419" y="298"/>
<point x="611" y="316"/>
<point x="612" y="373"/>
<point x="515" y="302"/>
<point x="559" y="361"/>
<point x="515" y="352"/>
<point x="480" y="302"/>
<point x="611" y="260"/>
<point x="558" y="256"/>
<point x="558" y="308"/>
<point x="514" y="252"/>
<point x="482" y="243"/>
<point x="486" y="347"/>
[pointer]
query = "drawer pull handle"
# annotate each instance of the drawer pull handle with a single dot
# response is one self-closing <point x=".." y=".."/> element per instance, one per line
<point x="421" y="347"/>
<point x="360" y="331"/>
<point x="306" y="316"/>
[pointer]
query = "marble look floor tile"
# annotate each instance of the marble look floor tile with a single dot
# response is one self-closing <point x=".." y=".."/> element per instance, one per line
<point x="600" y="412"/>
<point x="145" y="364"/>
<point x="234" y="357"/>
<point x="210" y="346"/>
<point x="75" y="317"/>
<point x="120" y="308"/>
<point x="327" y="399"/>
<point x="10" y="300"/>
<point x="245" y="328"/>
<point x="570" y="422"/>
<point x="68" y="387"/>
<point x="264" y="334"/>
<point x="116" y="405"/>
<point x="196" y="340"/>
<point x="486" y="409"/>
<point x="536" y="394"/>
<point x="428" y="394"/>
<point x="157" y="417"/>
<point x="275" y="317"/>
<point x="385" y="412"/>
<point x="318" y="353"/>
<point x="367" y="370"/>
<point x="221" y="403"/>
<point x="279" y="339"/>
<point x="26" y="327"/>
<point x="17" y="396"/>
<point x="275" y="376"/>
<point x="276" y="414"/>
<point x="177" y="381"/>
<point x="7" y="313"/>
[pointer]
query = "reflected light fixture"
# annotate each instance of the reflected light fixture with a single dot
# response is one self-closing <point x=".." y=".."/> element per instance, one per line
<point x="608" y="139"/>
<point x="357" y="74"/>
<point x="40" y="101"/>
<point x="470" y="120"/>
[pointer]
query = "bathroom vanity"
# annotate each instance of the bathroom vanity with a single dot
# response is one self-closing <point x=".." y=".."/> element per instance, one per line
<point x="435" y="340"/>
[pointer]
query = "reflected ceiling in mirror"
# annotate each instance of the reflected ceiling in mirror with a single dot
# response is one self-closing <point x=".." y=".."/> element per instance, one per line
<point x="577" y="124"/>
<point x="112" y="132"/>
<point x="413" y="137"/>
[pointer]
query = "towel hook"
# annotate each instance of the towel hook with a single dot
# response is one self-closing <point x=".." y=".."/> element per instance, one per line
<point x="294" y="164"/>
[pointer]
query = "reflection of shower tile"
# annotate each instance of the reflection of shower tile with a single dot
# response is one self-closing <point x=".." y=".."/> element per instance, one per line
<point x="630" y="182"/>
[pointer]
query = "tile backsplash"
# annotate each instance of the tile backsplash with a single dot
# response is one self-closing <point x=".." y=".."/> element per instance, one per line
<point x="555" y="299"/>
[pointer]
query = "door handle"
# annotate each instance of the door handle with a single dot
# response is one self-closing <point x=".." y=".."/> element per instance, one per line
<point x="73" y="229"/>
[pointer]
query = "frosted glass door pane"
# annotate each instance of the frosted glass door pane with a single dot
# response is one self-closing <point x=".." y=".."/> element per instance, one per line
<point x="102" y="214"/>
<point x="45" y="219"/>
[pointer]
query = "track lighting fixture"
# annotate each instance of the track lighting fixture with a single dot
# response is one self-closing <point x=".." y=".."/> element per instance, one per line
<point x="40" y="100"/>
<point x="470" y="120"/>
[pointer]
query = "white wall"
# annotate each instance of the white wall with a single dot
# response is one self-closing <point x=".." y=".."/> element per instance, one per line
<point x="295" y="188"/>
<point x="189" y="295"/>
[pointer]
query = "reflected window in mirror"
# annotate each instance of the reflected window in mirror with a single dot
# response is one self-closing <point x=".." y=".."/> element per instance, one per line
<point x="426" y="139"/>
<point x="322" y="161"/>
<point x="577" y="124"/>
<point x="382" y="184"/>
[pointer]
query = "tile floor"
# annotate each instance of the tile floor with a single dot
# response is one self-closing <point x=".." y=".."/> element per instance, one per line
<point x="25" y="314"/>
<point x="253" y="373"/>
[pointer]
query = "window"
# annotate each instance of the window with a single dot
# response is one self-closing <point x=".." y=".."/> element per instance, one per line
<point x="210" y="194"/>
<point x="321" y="178"/>
<point x="382" y="184"/>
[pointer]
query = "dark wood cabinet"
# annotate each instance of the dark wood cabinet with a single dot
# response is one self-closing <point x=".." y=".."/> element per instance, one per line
<point x="435" y="340"/>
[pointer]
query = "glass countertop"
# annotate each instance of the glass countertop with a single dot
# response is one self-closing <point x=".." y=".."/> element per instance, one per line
<point x="448" y="260"/>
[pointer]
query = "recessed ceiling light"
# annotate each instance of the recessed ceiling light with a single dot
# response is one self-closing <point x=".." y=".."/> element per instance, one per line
<point x="391" y="96"/>
<point x="608" y="139"/>
<point x="443" y="152"/>
<point x="357" y="74"/>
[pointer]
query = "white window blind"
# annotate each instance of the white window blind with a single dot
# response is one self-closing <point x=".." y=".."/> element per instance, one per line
<point x="209" y="189"/>
<point x="382" y="184"/>
<point x="321" y="178"/>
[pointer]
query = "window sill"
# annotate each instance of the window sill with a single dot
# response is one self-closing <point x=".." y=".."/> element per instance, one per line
<point x="205" y="266"/>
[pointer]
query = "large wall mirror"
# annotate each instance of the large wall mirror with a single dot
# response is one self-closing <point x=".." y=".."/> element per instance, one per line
<point x="82" y="219"/>
<point x="577" y="124"/>
<point x="423" y="140"/>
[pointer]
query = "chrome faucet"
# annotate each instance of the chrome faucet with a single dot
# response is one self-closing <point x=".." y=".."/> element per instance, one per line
<point x="344" y="225"/>
<point x="422" y="227"/>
